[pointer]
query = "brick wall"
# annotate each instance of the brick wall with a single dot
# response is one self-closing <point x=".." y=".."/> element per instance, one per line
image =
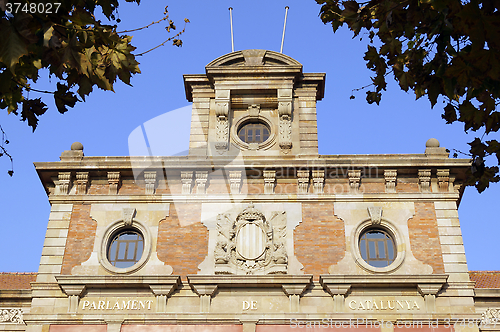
<point x="184" y="246"/>
<point x="81" y="236"/>
<point x="319" y="238"/>
<point x="424" y="237"/>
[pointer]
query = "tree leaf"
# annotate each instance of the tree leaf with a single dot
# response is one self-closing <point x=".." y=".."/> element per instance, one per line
<point x="12" y="45"/>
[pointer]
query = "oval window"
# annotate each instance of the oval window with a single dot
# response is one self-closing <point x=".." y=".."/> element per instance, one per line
<point x="126" y="248"/>
<point x="253" y="132"/>
<point x="377" y="247"/>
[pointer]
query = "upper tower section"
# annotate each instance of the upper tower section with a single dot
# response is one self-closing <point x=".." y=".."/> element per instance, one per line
<point x="254" y="102"/>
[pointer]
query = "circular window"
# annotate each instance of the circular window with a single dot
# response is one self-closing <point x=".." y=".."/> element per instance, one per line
<point x="253" y="132"/>
<point x="126" y="248"/>
<point x="377" y="247"/>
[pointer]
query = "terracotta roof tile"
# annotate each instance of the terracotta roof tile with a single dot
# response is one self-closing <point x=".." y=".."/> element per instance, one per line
<point x="16" y="280"/>
<point x="485" y="279"/>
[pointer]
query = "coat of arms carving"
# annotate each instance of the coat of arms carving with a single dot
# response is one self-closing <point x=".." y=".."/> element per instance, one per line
<point x="251" y="244"/>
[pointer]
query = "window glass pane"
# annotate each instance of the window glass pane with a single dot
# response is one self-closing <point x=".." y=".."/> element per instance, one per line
<point x="126" y="249"/>
<point x="362" y="249"/>
<point x="381" y="248"/>
<point x="372" y="251"/>
<point x="253" y="133"/>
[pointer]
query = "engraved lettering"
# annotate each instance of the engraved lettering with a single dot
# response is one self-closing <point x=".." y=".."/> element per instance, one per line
<point x="126" y="306"/>
<point x="134" y="305"/>
<point x="85" y="304"/>
<point x="352" y="305"/>
<point x="92" y="306"/>
<point x="254" y="305"/>
<point x="246" y="305"/>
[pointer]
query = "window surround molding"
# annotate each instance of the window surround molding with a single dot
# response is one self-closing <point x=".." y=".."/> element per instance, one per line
<point x="393" y="231"/>
<point x="250" y="146"/>
<point x="127" y="223"/>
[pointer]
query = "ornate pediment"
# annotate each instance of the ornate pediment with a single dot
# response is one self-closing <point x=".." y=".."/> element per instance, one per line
<point x="250" y="244"/>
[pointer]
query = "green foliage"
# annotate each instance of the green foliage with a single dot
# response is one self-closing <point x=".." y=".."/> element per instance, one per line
<point x="447" y="49"/>
<point x="77" y="49"/>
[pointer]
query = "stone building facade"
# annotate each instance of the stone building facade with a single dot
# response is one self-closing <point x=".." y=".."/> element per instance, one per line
<point x="252" y="230"/>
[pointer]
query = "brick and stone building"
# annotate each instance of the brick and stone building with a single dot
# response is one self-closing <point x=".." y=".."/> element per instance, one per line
<point x="252" y="230"/>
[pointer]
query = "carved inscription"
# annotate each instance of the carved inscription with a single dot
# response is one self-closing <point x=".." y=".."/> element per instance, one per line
<point x="116" y="305"/>
<point x="249" y="305"/>
<point x="383" y="305"/>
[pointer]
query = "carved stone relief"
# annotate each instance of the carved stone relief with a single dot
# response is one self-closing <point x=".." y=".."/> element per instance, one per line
<point x="251" y="244"/>
<point x="11" y="315"/>
<point x="285" y="119"/>
<point x="490" y="316"/>
<point x="251" y="239"/>
<point x="390" y="176"/>
<point x="424" y="178"/>
<point x="222" y="105"/>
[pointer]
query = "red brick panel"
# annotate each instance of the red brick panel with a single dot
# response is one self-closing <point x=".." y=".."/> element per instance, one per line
<point x="424" y="237"/>
<point x="81" y="236"/>
<point x="183" y="239"/>
<point x="319" y="238"/>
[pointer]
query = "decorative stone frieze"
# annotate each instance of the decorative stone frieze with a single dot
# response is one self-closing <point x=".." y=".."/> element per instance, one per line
<point x="318" y="177"/>
<point x="269" y="181"/>
<point x="201" y="181"/>
<point x="82" y="181"/>
<point x="390" y="176"/>
<point x="235" y="181"/>
<point x="375" y="213"/>
<point x="303" y="181"/>
<point x="251" y="244"/>
<point x="491" y="316"/>
<point x="354" y="179"/>
<point x="187" y="181"/>
<point x="285" y="119"/>
<point x="424" y="179"/>
<point x="63" y="183"/>
<point x="443" y="176"/>
<point x="114" y="182"/>
<point x="150" y="180"/>
<point x="11" y="315"/>
<point x="222" y="106"/>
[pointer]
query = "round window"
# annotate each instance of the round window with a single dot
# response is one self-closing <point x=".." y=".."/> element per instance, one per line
<point x="377" y="247"/>
<point x="253" y="132"/>
<point x="126" y="248"/>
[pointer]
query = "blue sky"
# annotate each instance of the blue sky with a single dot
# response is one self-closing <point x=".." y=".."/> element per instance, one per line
<point x="104" y="122"/>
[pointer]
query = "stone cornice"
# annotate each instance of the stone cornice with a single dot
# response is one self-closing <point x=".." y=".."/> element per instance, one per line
<point x="426" y="284"/>
<point x="71" y="283"/>
<point x="375" y="197"/>
<point x="252" y="281"/>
